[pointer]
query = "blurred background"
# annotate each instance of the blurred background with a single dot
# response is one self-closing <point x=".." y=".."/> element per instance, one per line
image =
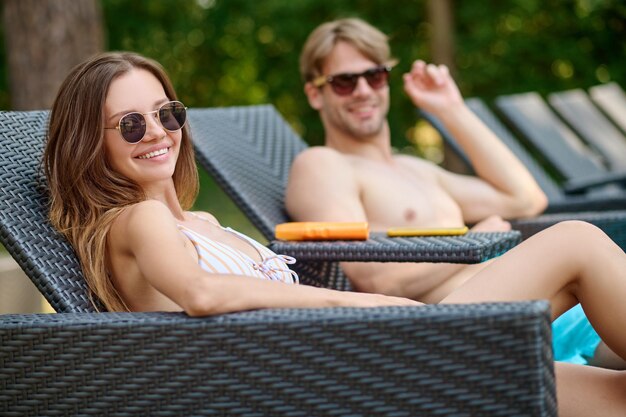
<point x="238" y="52"/>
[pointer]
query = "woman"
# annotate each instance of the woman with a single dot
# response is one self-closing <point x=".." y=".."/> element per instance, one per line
<point x="123" y="208"/>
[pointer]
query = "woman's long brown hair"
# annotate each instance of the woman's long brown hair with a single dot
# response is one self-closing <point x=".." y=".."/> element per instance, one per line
<point x="86" y="195"/>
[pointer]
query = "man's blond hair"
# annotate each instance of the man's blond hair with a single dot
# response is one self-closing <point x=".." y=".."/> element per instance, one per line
<point x="368" y="40"/>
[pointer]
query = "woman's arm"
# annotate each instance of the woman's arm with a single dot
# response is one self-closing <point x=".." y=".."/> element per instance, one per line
<point x="154" y="243"/>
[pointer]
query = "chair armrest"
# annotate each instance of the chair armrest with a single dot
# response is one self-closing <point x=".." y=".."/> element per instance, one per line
<point x="470" y="248"/>
<point x="581" y="185"/>
<point x="481" y="359"/>
<point x="583" y="202"/>
<point x="613" y="223"/>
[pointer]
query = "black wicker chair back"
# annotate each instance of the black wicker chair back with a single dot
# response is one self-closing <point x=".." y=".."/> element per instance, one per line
<point x="530" y="115"/>
<point x="249" y="151"/>
<point x="578" y="110"/>
<point x="45" y="256"/>
<point x="611" y="98"/>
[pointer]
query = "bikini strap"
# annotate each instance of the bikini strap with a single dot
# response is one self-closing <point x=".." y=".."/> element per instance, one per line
<point x="269" y="271"/>
<point x="264" y="267"/>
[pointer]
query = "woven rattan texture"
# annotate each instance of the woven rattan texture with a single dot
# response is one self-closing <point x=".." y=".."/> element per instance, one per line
<point x="248" y="151"/>
<point x="471" y="360"/>
<point x="470" y="248"/>
<point x="41" y="252"/>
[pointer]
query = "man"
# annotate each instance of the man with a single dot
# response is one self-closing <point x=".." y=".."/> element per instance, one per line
<point x="356" y="177"/>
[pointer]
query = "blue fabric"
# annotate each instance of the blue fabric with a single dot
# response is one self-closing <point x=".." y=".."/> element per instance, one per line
<point x="573" y="338"/>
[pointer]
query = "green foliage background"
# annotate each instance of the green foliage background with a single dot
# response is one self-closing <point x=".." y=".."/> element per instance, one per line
<point x="235" y="52"/>
<point x="230" y="52"/>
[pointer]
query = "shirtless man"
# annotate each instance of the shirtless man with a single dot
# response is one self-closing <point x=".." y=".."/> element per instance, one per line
<point x="356" y="177"/>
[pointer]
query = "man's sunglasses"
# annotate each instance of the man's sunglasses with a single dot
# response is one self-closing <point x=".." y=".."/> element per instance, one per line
<point x="132" y="126"/>
<point x="345" y="84"/>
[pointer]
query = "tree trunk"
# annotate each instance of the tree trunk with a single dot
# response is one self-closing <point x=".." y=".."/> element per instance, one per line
<point x="440" y="16"/>
<point x="44" y="40"/>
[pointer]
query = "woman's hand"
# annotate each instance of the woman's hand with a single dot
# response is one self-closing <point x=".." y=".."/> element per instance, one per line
<point x="360" y="299"/>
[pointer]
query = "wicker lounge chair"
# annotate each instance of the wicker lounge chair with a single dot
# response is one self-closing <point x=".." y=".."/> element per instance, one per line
<point x="578" y="110"/>
<point x="484" y="359"/>
<point x="581" y="168"/>
<point x="611" y="98"/>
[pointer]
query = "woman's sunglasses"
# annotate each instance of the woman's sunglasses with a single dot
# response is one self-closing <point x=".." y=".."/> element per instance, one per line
<point x="345" y="84"/>
<point x="132" y="126"/>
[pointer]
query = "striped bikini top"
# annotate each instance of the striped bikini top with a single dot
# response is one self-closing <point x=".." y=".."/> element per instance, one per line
<point x="216" y="257"/>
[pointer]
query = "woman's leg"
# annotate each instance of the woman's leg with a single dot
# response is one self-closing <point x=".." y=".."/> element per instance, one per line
<point x="588" y="391"/>
<point x="569" y="262"/>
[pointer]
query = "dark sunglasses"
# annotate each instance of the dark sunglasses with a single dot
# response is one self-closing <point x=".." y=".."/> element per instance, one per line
<point x="132" y="126"/>
<point x="345" y="84"/>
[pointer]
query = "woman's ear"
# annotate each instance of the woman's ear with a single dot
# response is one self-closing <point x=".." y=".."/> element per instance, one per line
<point x="313" y="94"/>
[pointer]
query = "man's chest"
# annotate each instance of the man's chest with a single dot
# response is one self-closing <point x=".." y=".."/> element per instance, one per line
<point x="399" y="197"/>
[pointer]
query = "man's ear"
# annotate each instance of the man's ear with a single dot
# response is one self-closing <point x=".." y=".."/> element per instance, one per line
<point x="313" y="94"/>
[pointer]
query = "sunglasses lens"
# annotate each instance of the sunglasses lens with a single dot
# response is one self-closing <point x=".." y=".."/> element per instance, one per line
<point x="133" y="127"/>
<point x="344" y="84"/>
<point x="376" y="78"/>
<point x="173" y="115"/>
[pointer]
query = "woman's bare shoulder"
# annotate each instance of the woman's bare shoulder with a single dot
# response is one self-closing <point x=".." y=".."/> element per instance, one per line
<point x="139" y="221"/>
<point x="148" y="210"/>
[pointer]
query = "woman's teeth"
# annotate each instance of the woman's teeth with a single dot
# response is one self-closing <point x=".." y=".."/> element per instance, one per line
<point x="153" y="154"/>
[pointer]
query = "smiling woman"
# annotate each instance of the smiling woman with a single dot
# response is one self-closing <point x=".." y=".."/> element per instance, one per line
<point x="155" y="152"/>
<point x="87" y="192"/>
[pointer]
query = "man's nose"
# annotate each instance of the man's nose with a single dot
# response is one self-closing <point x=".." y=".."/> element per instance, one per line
<point x="362" y="87"/>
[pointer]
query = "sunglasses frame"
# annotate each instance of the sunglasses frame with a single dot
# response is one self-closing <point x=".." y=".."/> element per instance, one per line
<point x="322" y="80"/>
<point x="144" y="118"/>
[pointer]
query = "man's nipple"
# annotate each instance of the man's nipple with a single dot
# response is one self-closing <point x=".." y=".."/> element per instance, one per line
<point x="410" y="215"/>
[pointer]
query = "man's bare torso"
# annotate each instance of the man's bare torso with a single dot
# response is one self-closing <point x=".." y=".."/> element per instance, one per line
<point x="326" y="185"/>
<point x="407" y="193"/>
<point x="403" y="193"/>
